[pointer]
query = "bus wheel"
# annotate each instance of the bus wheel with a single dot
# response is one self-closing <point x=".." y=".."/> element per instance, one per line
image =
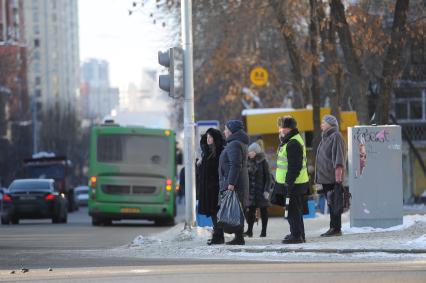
<point x="96" y="221"/>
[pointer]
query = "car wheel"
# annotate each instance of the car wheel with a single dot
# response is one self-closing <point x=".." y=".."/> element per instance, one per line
<point x="5" y="220"/>
<point x="107" y="222"/>
<point x="15" y="220"/>
<point x="64" y="218"/>
<point x="56" y="219"/>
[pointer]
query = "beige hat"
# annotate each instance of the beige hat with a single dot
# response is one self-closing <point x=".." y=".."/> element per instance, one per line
<point x="255" y="147"/>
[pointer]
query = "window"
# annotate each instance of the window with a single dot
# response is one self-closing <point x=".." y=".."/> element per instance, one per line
<point x="18" y="186"/>
<point x="410" y="105"/>
<point x="36" y="42"/>
<point x="418" y="52"/>
<point x="133" y="149"/>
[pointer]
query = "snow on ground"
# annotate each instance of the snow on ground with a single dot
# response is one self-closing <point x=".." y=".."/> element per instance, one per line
<point x="408" y="221"/>
<point x="420" y="242"/>
<point x="402" y="242"/>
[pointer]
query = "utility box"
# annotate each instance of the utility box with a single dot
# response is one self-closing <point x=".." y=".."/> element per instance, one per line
<point x="375" y="176"/>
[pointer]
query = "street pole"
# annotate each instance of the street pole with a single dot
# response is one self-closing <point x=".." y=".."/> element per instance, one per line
<point x="34" y="122"/>
<point x="189" y="130"/>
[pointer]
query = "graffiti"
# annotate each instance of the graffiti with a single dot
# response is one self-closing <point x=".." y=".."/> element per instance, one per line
<point x="362" y="158"/>
<point x="368" y="135"/>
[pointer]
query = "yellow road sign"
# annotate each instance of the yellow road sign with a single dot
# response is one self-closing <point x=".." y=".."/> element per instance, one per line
<point x="259" y="76"/>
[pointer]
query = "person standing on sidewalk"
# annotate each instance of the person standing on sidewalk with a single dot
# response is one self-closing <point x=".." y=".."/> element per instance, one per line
<point x="330" y="162"/>
<point x="212" y="144"/>
<point x="233" y="173"/>
<point x="292" y="176"/>
<point x="259" y="188"/>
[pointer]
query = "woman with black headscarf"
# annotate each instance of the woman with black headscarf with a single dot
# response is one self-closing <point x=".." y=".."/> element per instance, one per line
<point x="212" y="143"/>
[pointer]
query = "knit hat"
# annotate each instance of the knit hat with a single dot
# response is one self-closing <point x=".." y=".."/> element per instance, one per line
<point x="255" y="147"/>
<point x="331" y="120"/>
<point x="234" y="125"/>
<point x="287" y="122"/>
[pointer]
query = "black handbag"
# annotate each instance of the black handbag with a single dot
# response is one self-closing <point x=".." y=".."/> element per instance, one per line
<point x="335" y="199"/>
<point x="279" y="193"/>
<point x="346" y="199"/>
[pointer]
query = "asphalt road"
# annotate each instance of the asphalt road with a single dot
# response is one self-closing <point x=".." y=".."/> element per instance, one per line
<point x="65" y="249"/>
<point x="233" y="272"/>
<point x="39" y="243"/>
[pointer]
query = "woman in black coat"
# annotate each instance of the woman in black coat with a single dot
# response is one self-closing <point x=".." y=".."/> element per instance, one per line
<point x="211" y="143"/>
<point x="259" y="188"/>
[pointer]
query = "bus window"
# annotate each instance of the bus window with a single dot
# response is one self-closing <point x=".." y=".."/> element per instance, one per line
<point x="133" y="149"/>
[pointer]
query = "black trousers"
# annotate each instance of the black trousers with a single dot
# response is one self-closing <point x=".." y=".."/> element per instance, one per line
<point x="251" y="217"/>
<point x="335" y="218"/>
<point x="295" y="215"/>
<point x="216" y="230"/>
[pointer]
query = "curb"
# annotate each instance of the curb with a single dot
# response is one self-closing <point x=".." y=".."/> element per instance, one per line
<point x="336" y="251"/>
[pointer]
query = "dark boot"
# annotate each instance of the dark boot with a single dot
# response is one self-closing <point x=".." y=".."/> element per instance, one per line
<point x="217" y="239"/>
<point x="264" y="226"/>
<point x="332" y="232"/>
<point x="250" y="216"/>
<point x="248" y="233"/>
<point x="238" y="240"/>
<point x="292" y="240"/>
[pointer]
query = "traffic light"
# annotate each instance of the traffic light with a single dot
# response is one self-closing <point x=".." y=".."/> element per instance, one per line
<point x="172" y="82"/>
<point x="166" y="81"/>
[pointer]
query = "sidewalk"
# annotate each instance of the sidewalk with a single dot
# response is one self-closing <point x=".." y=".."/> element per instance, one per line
<point x="406" y="241"/>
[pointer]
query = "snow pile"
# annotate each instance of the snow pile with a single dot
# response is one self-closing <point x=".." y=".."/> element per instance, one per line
<point x="141" y="240"/>
<point x="418" y="243"/>
<point x="194" y="234"/>
<point x="408" y="221"/>
<point x="176" y="234"/>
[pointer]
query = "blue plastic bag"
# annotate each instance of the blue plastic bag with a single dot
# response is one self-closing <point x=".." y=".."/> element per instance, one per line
<point x="230" y="216"/>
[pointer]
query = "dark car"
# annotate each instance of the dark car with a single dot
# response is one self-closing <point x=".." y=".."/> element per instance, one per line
<point x="33" y="199"/>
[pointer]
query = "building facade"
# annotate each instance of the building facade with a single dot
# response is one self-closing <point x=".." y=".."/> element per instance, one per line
<point x="97" y="97"/>
<point x="53" y="50"/>
<point x="15" y="112"/>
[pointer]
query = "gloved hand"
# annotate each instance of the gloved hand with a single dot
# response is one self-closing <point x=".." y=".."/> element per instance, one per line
<point x="266" y="195"/>
<point x="339" y="174"/>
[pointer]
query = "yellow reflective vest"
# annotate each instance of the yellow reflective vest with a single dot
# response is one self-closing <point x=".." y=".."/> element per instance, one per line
<point x="282" y="164"/>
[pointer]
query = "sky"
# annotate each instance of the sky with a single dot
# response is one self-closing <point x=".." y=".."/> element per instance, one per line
<point x="129" y="43"/>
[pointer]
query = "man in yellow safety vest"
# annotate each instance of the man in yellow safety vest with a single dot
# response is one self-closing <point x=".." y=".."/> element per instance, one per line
<point x="292" y="176"/>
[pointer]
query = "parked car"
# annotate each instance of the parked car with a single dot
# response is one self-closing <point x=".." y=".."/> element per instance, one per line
<point x="33" y="199"/>
<point x="2" y="191"/>
<point x="82" y="194"/>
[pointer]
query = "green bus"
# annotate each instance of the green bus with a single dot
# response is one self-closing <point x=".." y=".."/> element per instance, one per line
<point x="132" y="174"/>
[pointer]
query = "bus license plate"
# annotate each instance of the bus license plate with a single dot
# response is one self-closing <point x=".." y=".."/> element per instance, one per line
<point x="130" y="210"/>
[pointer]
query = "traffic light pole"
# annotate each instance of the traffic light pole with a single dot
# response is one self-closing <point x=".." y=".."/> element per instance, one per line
<point x="189" y="129"/>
